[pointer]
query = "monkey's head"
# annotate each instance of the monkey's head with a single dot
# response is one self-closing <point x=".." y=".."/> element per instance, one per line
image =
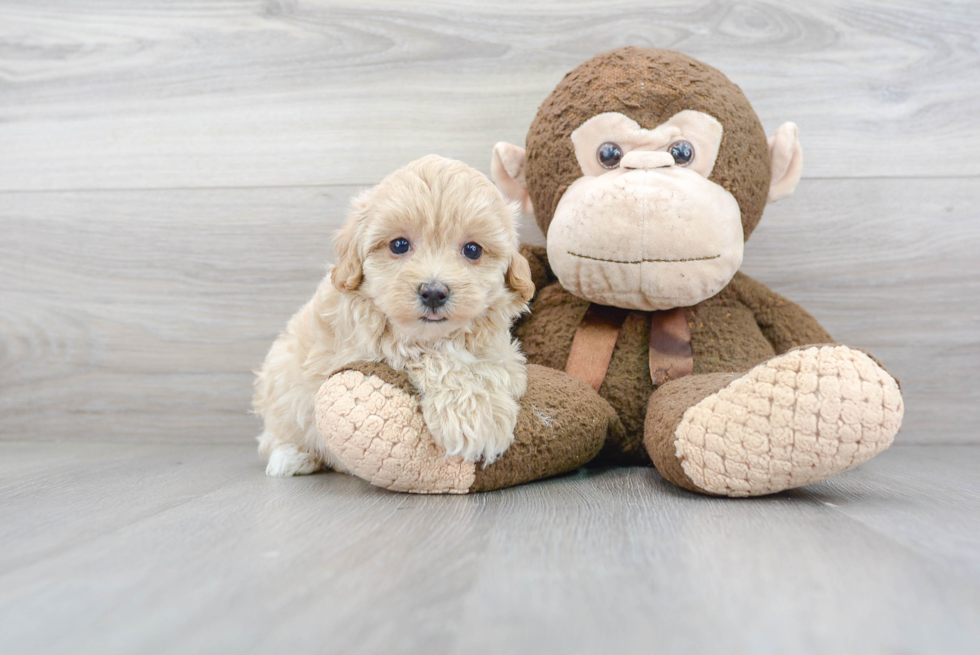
<point x="647" y="171"/>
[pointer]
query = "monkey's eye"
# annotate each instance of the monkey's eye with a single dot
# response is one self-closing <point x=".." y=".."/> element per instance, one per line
<point x="682" y="152"/>
<point x="399" y="246"/>
<point x="472" y="251"/>
<point x="609" y="155"/>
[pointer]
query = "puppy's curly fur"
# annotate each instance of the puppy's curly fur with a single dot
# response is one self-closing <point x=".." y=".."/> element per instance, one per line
<point x="460" y="355"/>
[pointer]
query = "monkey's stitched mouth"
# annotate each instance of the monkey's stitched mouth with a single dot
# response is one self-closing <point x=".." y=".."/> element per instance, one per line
<point x="642" y="261"/>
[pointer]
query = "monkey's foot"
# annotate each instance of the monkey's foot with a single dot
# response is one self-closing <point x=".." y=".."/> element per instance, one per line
<point x="796" y="419"/>
<point x="369" y="417"/>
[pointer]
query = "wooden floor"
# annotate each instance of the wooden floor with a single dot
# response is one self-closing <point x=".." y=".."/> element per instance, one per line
<point x="153" y="548"/>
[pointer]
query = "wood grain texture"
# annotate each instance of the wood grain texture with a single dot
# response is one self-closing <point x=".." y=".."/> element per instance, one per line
<point x="154" y="548"/>
<point x="141" y="314"/>
<point x="115" y="94"/>
<point x="134" y="301"/>
<point x="133" y="315"/>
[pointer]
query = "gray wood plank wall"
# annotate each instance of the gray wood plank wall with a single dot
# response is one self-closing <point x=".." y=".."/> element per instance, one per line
<point x="171" y="173"/>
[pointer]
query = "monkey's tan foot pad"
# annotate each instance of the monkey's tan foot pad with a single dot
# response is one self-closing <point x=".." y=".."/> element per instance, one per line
<point x="370" y="419"/>
<point x="796" y="419"/>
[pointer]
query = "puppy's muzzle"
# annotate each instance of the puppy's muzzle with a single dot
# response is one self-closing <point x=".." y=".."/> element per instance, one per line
<point x="433" y="294"/>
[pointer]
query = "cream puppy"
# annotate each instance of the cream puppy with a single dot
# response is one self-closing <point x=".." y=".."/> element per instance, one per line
<point x="428" y="280"/>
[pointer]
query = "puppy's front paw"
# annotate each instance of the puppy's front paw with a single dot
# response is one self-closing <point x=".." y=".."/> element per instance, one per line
<point x="477" y="426"/>
<point x="288" y="460"/>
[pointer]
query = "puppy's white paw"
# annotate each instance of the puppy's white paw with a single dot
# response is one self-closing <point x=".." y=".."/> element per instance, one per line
<point x="288" y="460"/>
<point x="475" y="427"/>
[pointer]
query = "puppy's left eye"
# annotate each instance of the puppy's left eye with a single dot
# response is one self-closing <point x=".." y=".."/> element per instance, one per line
<point x="472" y="251"/>
<point x="399" y="246"/>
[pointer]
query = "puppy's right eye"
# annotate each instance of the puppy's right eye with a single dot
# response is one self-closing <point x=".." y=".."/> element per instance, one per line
<point x="399" y="246"/>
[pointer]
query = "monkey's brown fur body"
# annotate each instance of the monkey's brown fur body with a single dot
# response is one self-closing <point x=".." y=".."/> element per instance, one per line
<point x="770" y="402"/>
<point x="744" y="325"/>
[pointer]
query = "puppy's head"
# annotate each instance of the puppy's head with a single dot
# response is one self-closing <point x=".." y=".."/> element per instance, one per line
<point x="434" y="247"/>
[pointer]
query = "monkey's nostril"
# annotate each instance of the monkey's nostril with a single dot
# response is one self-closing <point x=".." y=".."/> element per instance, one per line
<point x="433" y="294"/>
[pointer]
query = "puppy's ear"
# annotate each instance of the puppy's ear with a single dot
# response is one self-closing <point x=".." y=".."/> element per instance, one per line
<point x="347" y="272"/>
<point x="519" y="277"/>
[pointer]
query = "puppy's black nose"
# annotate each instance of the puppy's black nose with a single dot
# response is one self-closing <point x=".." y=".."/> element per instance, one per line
<point x="433" y="294"/>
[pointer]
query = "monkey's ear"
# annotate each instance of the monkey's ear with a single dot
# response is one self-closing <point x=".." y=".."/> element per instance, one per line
<point x="519" y="277"/>
<point x="347" y="272"/>
<point x="787" y="161"/>
<point x="507" y="170"/>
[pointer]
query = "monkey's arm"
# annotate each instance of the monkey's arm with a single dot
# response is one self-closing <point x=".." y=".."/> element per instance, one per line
<point x="784" y="323"/>
<point x="537" y="259"/>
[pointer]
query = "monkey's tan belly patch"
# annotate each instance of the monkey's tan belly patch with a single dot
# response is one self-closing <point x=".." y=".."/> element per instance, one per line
<point x="796" y="419"/>
<point x="378" y="433"/>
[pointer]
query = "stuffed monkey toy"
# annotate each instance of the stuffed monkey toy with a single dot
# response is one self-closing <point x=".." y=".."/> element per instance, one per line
<point x="647" y="171"/>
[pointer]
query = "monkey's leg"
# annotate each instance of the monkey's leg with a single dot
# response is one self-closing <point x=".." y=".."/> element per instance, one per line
<point x="368" y="415"/>
<point x="799" y="418"/>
